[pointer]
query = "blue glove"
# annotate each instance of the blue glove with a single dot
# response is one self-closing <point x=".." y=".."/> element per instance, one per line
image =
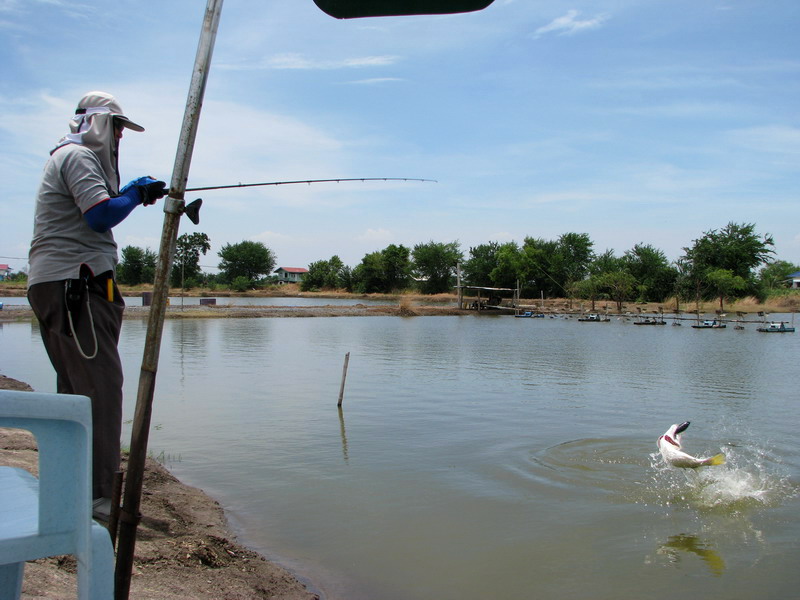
<point x="112" y="211"/>
<point x="149" y="189"/>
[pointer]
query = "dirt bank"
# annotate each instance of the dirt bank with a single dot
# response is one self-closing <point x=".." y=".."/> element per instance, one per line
<point x="404" y="304"/>
<point x="21" y="313"/>
<point x="184" y="549"/>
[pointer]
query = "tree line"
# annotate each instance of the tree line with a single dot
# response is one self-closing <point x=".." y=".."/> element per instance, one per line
<point x="242" y="266"/>
<point x="731" y="262"/>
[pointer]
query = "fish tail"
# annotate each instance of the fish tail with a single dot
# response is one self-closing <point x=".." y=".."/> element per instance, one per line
<point x="717" y="459"/>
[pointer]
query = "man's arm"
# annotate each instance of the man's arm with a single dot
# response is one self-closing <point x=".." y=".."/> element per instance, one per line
<point x="111" y="212"/>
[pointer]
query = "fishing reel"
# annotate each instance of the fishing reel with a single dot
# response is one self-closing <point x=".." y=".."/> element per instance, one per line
<point x="179" y="207"/>
<point x="192" y="210"/>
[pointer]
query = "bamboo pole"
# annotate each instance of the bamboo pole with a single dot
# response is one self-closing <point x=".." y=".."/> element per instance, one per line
<point x="344" y="376"/>
<point x="173" y="209"/>
<point x="116" y="497"/>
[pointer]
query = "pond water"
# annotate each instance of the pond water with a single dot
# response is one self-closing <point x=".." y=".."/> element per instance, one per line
<point x="481" y="457"/>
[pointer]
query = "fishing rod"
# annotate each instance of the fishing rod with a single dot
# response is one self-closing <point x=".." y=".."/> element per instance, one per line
<point x="192" y="210"/>
<point x="307" y="181"/>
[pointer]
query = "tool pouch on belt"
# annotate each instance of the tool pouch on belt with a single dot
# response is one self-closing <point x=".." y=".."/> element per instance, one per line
<point x="75" y="291"/>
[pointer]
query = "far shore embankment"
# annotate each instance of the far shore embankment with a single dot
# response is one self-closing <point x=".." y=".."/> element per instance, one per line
<point x="402" y="305"/>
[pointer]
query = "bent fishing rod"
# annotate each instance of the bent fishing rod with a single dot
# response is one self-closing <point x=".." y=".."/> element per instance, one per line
<point x="306" y="181"/>
<point x="192" y="210"/>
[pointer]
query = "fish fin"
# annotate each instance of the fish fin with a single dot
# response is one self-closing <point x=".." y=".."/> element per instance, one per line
<point x="717" y="459"/>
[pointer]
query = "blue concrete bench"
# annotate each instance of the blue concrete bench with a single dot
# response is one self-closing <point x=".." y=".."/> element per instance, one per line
<point x="52" y="515"/>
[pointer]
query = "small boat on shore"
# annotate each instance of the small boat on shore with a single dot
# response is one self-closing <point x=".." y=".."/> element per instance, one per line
<point x="776" y="327"/>
<point x="710" y="324"/>
<point x="650" y="321"/>
<point x="594" y="318"/>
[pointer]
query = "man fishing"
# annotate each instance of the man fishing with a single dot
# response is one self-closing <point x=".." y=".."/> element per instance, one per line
<point x="73" y="257"/>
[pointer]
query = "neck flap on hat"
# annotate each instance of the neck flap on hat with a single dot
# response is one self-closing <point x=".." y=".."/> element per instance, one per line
<point x="95" y="130"/>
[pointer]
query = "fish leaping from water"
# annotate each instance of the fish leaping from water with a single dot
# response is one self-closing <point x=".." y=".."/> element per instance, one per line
<point x="669" y="445"/>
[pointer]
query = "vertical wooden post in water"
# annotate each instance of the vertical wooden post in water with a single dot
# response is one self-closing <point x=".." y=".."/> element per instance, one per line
<point x="173" y="209"/>
<point x="344" y="376"/>
<point x="459" y="291"/>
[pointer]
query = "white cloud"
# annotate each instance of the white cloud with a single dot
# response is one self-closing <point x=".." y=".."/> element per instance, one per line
<point x="376" y="235"/>
<point x="570" y="24"/>
<point x="375" y="81"/>
<point x="777" y="139"/>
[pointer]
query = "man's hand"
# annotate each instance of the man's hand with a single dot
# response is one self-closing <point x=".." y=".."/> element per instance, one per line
<point x="152" y="192"/>
<point x="149" y="189"/>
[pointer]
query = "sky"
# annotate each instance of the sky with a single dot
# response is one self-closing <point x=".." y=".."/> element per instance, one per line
<point x="634" y="121"/>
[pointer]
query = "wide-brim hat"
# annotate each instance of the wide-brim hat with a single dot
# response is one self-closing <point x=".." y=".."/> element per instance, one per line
<point x="101" y="102"/>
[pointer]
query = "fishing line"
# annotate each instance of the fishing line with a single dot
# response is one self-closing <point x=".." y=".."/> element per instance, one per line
<point x="306" y="181"/>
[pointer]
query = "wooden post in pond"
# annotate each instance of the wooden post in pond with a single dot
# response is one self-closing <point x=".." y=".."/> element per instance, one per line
<point x="344" y="376"/>
<point x="459" y="291"/>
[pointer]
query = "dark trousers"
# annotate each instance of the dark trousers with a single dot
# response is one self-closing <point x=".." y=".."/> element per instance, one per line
<point x="99" y="378"/>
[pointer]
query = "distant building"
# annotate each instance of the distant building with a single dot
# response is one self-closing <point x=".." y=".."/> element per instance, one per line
<point x="290" y="274"/>
<point x="4" y="272"/>
<point x="793" y="279"/>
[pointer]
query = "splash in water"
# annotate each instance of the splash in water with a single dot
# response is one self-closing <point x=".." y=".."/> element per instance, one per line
<point x="751" y="478"/>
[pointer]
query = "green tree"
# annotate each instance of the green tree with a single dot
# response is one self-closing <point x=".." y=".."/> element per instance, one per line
<point x="553" y="266"/>
<point x="136" y="266"/>
<point x="368" y="276"/>
<point x="346" y="278"/>
<point x="591" y="289"/>
<point x="334" y="279"/>
<point x="620" y="286"/>
<point x="18" y="277"/>
<point x="186" y="266"/>
<point x="735" y="248"/>
<point x="396" y="267"/>
<point x="572" y="258"/>
<point x="724" y="284"/>
<point x="241" y="283"/>
<point x="434" y="264"/>
<point x="383" y="272"/>
<point x="654" y="275"/>
<point x="247" y="259"/>
<point x="775" y="274"/>
<point x="606" y="263"/>
<point x="535" y="269"/>
<point x="477" y="270"/>
<point x="323" y="274"/>
<point x="511" y="266"/>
